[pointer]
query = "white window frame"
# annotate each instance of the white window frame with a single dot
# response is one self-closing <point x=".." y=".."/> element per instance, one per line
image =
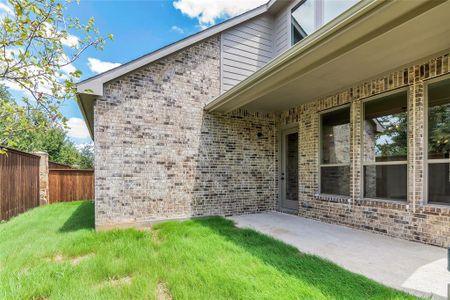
<point x="321" y="164"/>
<point x="385" y="163"/>
<point x="428" y="161"/>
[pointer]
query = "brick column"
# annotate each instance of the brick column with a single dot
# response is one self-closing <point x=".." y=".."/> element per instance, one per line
<point x="43" y="178"/>
<point x="355" y="149"/>
<point x="416" y="155"/>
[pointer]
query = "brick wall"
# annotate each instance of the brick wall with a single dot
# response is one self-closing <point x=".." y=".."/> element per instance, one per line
<point x="413" y="219"/>
<point x="159" y="156"/>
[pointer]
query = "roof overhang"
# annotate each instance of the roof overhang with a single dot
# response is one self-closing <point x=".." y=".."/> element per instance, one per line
<point x="86" y="105"/>
<point x="371" y="38"/>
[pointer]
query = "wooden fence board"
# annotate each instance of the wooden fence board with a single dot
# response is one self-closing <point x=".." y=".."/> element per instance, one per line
<point x="70" y="185"/>
<point x="19" y="183"/>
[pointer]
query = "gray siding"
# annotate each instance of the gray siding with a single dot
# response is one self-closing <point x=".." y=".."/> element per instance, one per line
<point x="245" y="48"/>
<point x="282" y="30"/>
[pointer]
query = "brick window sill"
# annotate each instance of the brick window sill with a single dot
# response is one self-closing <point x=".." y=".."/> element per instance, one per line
<point x="433" y="208"/>
<point x="384" y="203"/>
<point x="333" y="198"/>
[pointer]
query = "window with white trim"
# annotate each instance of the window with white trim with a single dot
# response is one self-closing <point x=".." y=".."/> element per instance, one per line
<point x="438" y="123"/>
<point x="310" y="15"/>
<point x="385" y="147"/>
<point x="335" y="152"/>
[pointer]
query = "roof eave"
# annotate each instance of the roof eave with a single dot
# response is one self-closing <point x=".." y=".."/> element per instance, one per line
<point x="324" y="45"/>
<point x="284" y="59"/>
<point x="95" y="84"/>
<point x="88" y="117"/>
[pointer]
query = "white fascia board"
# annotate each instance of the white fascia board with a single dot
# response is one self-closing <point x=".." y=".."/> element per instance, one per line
<point x="94" y="85"/>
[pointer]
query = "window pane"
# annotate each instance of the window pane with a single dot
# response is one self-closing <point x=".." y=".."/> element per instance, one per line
<point x="386" y="129"/>
<point x="386" y="182"/>
<point x="292" y="166"/>
<point x="303" y="20"/>
<point x="439" y="120"/>
<point x="333" y="8"/>
<point x="335" y="180"/>
<point x="439" y="183"/>
<point x="336" y="137"/>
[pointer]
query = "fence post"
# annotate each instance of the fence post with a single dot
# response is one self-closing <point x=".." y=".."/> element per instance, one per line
<point x="43" y="178"/>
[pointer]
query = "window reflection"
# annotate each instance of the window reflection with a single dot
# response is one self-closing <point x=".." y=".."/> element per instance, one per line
<point x="310" y="15"/>
<point x="439" y="142"/>
<point x="386" y="129"/>
<point x="385" y="147"/>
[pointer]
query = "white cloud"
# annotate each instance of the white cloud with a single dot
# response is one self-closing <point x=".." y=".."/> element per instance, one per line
<point x="81" y="146"/>
<point x="98" y="66"/>
<point x="71" y="40"/>
<point x="5" y="9"/>
<point x="177" y="29"/>
<point x="209" y="11"/>
<point x="77" y="129"/>
<point x="16" y="87"/>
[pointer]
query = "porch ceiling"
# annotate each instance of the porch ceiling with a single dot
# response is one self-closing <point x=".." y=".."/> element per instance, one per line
<point x="367" y="41"/>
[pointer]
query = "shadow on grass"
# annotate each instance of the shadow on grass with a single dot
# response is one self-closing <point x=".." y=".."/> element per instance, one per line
<point x="330" y="279"/>
<point x="81" y="218"/>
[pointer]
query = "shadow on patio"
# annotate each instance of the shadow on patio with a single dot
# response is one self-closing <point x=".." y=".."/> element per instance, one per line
<point x="413" y="267"/>
<point x="309" y="269"/>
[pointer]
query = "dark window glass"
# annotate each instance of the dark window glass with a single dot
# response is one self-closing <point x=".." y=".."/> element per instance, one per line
<point x="335" y="152"/>
<point x="439" y="142"/>
<point x="385" y="181"/>
<point x="336" y="137"/>
<point x="439" y="183"/>
<point x="439" y="120"/>
<point x="292" y="166"/>
<point x="335" y="180"/>
<point x="386" y="129"/>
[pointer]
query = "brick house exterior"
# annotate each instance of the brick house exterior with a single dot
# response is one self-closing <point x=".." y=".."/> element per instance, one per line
<point x="161" y="155"/>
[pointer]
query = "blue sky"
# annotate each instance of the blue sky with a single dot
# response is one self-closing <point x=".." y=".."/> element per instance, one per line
<point x="139" y="27"/>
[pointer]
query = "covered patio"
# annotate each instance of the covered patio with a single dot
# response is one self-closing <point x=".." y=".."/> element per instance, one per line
<point x="416" y="268"/>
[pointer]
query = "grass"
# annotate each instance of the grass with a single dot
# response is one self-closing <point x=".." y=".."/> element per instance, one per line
<point x="53" y="252"/>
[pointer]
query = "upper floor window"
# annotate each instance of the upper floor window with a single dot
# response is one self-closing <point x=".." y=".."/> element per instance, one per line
<point x="439" y="142"/>
<point x="385" y="147"/>
<point x="310" y="15"/>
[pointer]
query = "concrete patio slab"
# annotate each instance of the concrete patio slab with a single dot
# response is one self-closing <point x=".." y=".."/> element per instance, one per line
<point x="412" y="267"/>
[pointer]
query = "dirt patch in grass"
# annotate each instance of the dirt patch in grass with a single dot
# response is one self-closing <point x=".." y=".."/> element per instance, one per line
<point x="59" y="258"/>
<point x="116" y="281"/>
<point x="78" y="259"/>
<point x="156" y="236"/>
<point x="162" y="292"/>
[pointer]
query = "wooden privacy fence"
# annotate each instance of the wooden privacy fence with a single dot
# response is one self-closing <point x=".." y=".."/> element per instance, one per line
<point x="19" y="183"/>
<point x="70" y="185"/>
<point x="28" y="180"/>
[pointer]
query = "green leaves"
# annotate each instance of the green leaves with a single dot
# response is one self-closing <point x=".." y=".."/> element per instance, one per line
<point x="38" y="46"/>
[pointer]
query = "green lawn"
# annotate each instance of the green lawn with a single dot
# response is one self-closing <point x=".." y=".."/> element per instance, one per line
<point x="53" y="252"/>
